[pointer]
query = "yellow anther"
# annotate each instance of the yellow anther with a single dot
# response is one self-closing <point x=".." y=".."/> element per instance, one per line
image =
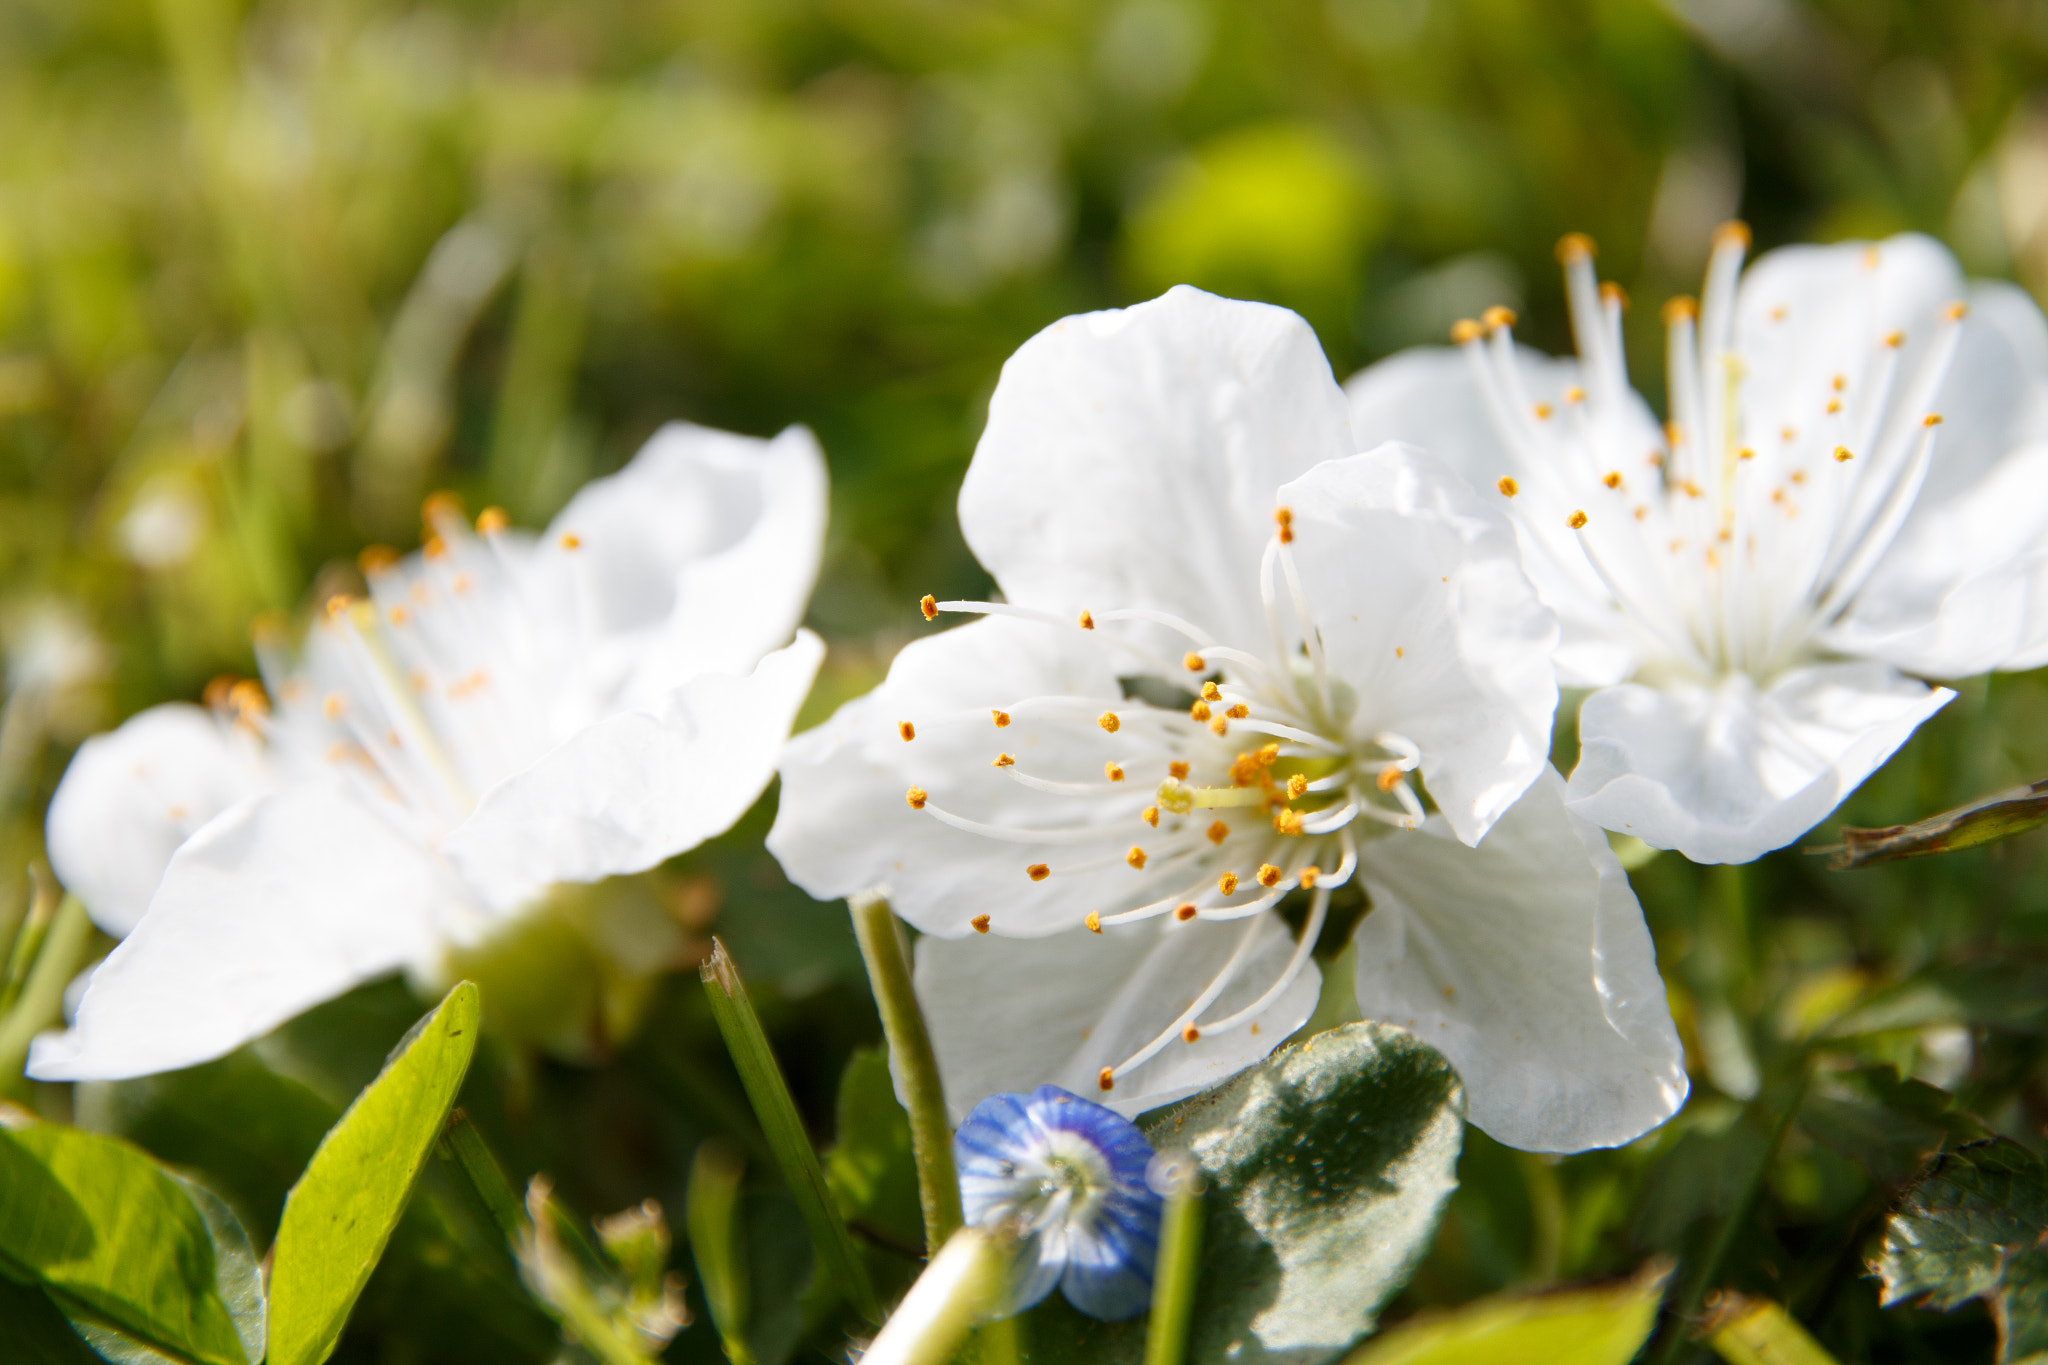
<point x="929" y="606"/>
<point x="1870" y="258"/>
<point x="1094" y="922"/>
<point x="1178" y="769"/>
<point x="1788" y="434"/>
<point x="571" y="541"/>
<point x="1001" y="718"/>
<point x="461" y="583"/>
<point x="1576" y="520"/>
<point x="980" y="923"/>
<point x="1957" y="311"/>
<point x="1497" y="317"/>
<point x="1269" y="876"/>
<point x="440" y="505"/>
<point x="916" y="796"/>
<point x="1218" y="832"/>
<point x="1297" y="786"/>
<point x="1211" y="692"/>
<point x="1136" y="858"/>
<point x="1193" y="662"/>
<point x="1238" y="712"/>
<point x="1108" y="721"/>
<point x="434" y="548"/>
<point x="1834" y="405"/>
<point x="339" y="604"/>
<point x="1003" y="761"/>
<point x="247" y="696"/>
<point x="1184" y="911"/>
<point x="1268" y="754"/>
<point x="1283" y="518"/>
<point x="1932" y="419"/>
<point x="1839" y="383"/>
<point x="1690" y="489"/>
<point x="1612" y="478"/>
<point x="1219" y="726"/>
<point x="397" y="616"/>
<point x="1199" y="711"/>
<point x="1842" y="455"/>
<point x="1087" y="621"/>
<point x="1574" y="247"/>
<point x="1575" y="394"/>
<point x="1389" y="778"/>
<point x="1895" y="339"/>
<point x="1309" y="875"/>
<point x="333" y="705"/>
<point x="1227" y="883"/>
<point x="491" y="521"/>
<point x="1150" y="815"/>
<point x="1106" y="1078"/>
<point x="1610" y="292"/>
<point x="1287" y="821"/>
<point x="375" y="559"/>
<point x="1734" y="232"/>
<point x="1684" y="308"/>
<point x="1112" y="772"/>
<point x="1746" y="453"/>
<point x="216" y="694"/>
<point x="1543" y="411"/>
<point x="1797" y="476"/>
<point x="1190" y="1034"/>
<point x="1038" y="872"/>
<point x="1507" y="486"/>
<point x="907" y="730"/>
<point x="1465" y="329"/>
<point x="1779" y="312"/>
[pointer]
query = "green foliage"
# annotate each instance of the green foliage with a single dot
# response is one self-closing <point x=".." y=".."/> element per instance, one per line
<point x="715" y="1242"/>
<point x="37" y="1333"/>
<point x="1327" y="1168"/>
<point x="112" y="1237"/>
<point x="869" y="1165"/>
<point x="1974" y="1228"/>
<point x="344" y="1208"/>
<point x="1605" y="1325"/>
<point x="1746" y="1331"/>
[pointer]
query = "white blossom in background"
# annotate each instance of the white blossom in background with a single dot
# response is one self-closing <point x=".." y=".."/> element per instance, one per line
<point x="1230" y="652"/>
<point x="1851" y="496"/>
<point x="502" y="714"/>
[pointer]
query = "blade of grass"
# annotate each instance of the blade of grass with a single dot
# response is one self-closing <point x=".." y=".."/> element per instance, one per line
<point x="784" y="1128"/>
<point x="462" y="1142"/>
<point x="709" y="1209"/>
<point x="40" y="1000"/>
<point x="1179" y="1178"/>
<point x="910" y="1045"/>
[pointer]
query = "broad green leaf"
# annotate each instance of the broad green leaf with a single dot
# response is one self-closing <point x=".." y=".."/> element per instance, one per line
<point x="35" y="1331"/>
<point x="1328" y="1166"/>
<point x="870" y="1166"/>
<point x="1981" y="822"/>
<point x="340" y="1214"/>
<point x="107" y="1230"/>
<point x="1605" y="1325"/>
<point x="235" y="1271"/>
<point x="1887" y="1125"/>
<point x="1972" y="1229"/>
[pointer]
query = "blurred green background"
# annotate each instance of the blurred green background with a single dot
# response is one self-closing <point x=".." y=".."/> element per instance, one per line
<point x="271" y="272"/>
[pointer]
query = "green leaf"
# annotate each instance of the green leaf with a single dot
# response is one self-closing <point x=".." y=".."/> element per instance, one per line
<point x="1981" y="822"/>
<point x="715" y="1243"/>
<point x="1328" y="1166"/>
<point x="1603" y="1325"/>
<point x="1972" y="1229"/>
<point x="1746" y="1331"/>
<point x="340" y="1214"/>
<point x="1887" y="1125"/>
<point x="236" y="1273"/>
<point x="870" y="1167"/>
<point x="106" y="1230"/>
<point x="35" y="1331"/>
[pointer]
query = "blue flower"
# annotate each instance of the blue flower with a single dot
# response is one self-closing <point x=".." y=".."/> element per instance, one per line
<point x="1069" y="1177"/>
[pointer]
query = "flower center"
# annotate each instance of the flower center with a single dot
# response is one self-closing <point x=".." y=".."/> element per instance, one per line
<point x="1730" y="539"/>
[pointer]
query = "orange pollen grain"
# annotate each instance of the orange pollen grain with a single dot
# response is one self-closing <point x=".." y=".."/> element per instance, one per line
<point x="1610" y="292"/>
<point x="1269" y="875"/>
<point x="1543" y="411"/>
<point x="1106" y="1078"/>
<point x="1681" y="309"/>
<point x="1094" y="922"/>
<point x="1184" y="912"/>
<point x="929" y="606"/>
<point x="980" y="923"/>
<point x="1574" y="246"/>
<point x="1193" y="662"/>
<point x="1842" y="455"/>
<point x="1839" y="383"/>
<point x="1895" y="340"/>
<point x="907" y="730"/>
<point x="1834" y="405"/>
<point x="248" y="695"/>
<point x="1309" y="875"/>
<point x="1575" y="394"/>
<point x="1227" y="883"/>
<point x="1287" y="822"/>
<point x="1746" y="453"/>
<point x="1576" y="520"/>
<point x="1497" y="317"/>
<point x="1001" y="718"/>
<point x="1199" y="711"/>
<point x="1087" y="621"/>
<point x="1150" y="815"/>
<point x="434" y="548"/>
<point x="1238" y="712"/>
<point x="491" y="521"/>
<point x="1388" y="779"/>
<point x="1038" y="872"/>
<point x="397" y="616"/>
<point x="1219" y="726"/>
<point x="1108" y="721"/>
<point x="1932" y="419"/>
<point x="438" y="505"/>
<point x="1218" y="832"/>
<point x="1612" y="478"/>
<point x="916" y="796"/>
<point x="1464" y="330"/>
<point x="1211" y="692"/>
<point x="1136" y="858"/>
<point x="572" y="541"/>
<point x="374" y="559"/>
<point x="1507" y="486"/>
<point x="1112" y="772"/>
<point x="1956" y="312"/>
<point x="1734" y="231"/>
<point x="1002" y="761"/>
<point x="1177" y="770"/>
<point x="1190" y="1034"/>
<point x="1297" y="786"/>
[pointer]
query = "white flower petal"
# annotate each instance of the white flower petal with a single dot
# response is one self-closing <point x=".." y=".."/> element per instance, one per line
<point x="1526" y="962"/>
<point x="1418" y="593"/>
<point x="698" y="556"/>
<point x="1010" y="1014"/>
<point x="1130" y="458"/>
<point x="843" y="826"/>
<point x="637" y="787"/>
<point x="131" y="796"/>
<point x="1966" y="590"/>
<point x="1427" y="397"/>
<point x="1725" y="775"/>
<point x="1994" y="399"/>
<point x="283" y="902"/>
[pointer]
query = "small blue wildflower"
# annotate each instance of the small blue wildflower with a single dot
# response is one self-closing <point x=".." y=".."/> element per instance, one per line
<point x="1069" y="1175"/>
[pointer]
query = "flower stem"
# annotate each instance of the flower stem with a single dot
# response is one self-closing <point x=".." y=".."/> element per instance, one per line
<point x="466" y="1145"/>
<point x="41" y="997"/>
<point x="1180" y="1252"/>
<point x="910" y="1043"/>
<point x="962" y="1282"/>
<point x="784" y="1128"/>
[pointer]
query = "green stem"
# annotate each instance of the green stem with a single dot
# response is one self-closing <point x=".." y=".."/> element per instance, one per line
<point x="41" y="999"/>
<point x="710" y="1208"/>
<point x="1547" y="1213"/>
<point x="910" y="1044"/>
<point x="1173" y="1278"/>
<point x="466" y="1145"/>
<point x="784" y="1128"/>
<point x="42" y="909"/>
<point x="962" y="1282"/>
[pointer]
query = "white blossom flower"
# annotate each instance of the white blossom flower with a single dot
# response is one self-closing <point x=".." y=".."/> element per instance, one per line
<point x="501" y="715"/>
<point x="1227" y="651"/>
<point x="1849" y="497"/>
